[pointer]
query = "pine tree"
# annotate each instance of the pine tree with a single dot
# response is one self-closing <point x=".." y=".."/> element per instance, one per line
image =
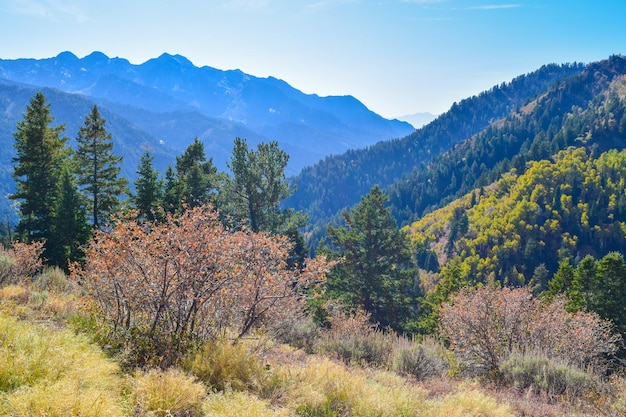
<point x="172" y="191"/>
<point x="41" y="153"/>
<point x="196" y="175"/>
<point x="259" y="185"/>
<point x="98" y="168"/>
<point x="376" y="272"/>
<point x="254" y="193"/>
<point x="149" y="188"/>
<point x="70" y="231"/>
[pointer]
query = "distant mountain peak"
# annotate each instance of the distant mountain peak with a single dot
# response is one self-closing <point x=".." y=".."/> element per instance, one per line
<point x="170" y="98"/>
<point x="181" y="60"/>
<point x="96" y="57"/>
<point x="66" y="56"/>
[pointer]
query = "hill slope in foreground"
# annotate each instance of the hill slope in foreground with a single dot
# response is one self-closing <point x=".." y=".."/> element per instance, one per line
<point x="50" y="366"/>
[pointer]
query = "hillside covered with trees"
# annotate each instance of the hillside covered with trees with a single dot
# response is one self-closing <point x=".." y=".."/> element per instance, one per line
<point x="504" y="293"/>
<point x="339" y="181"/>
<point x="586" y="109"/>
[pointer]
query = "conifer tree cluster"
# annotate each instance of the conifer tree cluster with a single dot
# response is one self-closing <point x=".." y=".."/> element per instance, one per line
<point x="63" y="192"/>
<point x="55" y="183"/>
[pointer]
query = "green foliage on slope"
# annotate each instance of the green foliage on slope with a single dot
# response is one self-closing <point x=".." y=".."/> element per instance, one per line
<point x="520" y="227"/>
<point x="584" y="110"/>
<point x="339" y="181"/>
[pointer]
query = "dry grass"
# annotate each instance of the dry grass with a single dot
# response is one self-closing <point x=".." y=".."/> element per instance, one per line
<point x="237" y="404"/>
<point x="225" y="365"/>
<point x="166" y="393"/>
<point x="326" y="388"/>
<point x="35" y="303"/>
<point x="54" y="373"/>
<point x="15" y="294"/>
<point x="470" y="402"/>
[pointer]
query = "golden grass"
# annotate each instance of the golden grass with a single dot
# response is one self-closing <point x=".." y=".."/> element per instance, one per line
<point x="223" y="365"/>
<point x="166" y="393"/>
<point x="54" y="373"/>
<point x="17" y="294"/>
<point x="238" y="404"/>
<point x="327" y="388"/>
<point x="469" y="402"/>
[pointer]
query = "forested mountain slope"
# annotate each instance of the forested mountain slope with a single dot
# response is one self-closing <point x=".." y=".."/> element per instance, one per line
<point x="586" y="109"/>
<point x="519" y="228"/>
<point x="339" y="181"/>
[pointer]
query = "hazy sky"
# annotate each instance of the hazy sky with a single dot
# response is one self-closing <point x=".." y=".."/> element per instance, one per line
<point x="396" y="56"/>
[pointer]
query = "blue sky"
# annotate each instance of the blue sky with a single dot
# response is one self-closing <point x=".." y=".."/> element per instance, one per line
<point x="396" y="56"/>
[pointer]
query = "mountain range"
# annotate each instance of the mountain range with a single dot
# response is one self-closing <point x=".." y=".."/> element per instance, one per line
<point x="171" y="102"/>
<point x="165" y="103"/>
<point x="514" y="185"/>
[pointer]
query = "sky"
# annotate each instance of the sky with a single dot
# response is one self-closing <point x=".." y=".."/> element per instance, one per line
<point x="398" y="57"/>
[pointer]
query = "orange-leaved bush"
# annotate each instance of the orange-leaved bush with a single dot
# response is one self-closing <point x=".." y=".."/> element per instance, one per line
<point x="485" y="326"/>
<point x="190" y="279"/>
<point x="20" y="261"/>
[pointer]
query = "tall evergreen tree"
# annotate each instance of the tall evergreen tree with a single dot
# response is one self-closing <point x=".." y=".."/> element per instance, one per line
<point x="258" y="186"/>
<point x="376" y="272"/>
<point x="41" y="153"/>
<point x="98" y="168"/>
<point x="254" y="193"/>
<point x="70" y="231"/>
<point x="197" y="176"/>
<point x="172" y="191"/>
<point x="149" y="188"/>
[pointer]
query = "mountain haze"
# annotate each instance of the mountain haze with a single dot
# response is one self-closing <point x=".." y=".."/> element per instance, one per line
<point x="166" y="102"/>
<point x="175" y="101"/>
<point x="418" y="120"/>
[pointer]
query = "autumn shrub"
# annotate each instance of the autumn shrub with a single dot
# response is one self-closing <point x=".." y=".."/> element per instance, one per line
<point x="354" y="340"/>
<point x="487" y="325"/>
<point x="421" y="359"/>
<point x="169" y="393"/>
<point x="546" y="376"/>
<point x="223" y="364"/>
<point x="20" y="261"/>
<point x="189" y="278"/>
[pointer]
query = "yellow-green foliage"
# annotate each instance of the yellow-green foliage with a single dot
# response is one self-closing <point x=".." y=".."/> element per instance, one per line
<point x="326" y="388"/>
<point x="555" y="208"/>
<point x="237" y="404"/>
<point x="166" y="393"/>
<point x="469" y="403"/>
<point x="223" y="364"/>
<point x="54" y="373"/>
